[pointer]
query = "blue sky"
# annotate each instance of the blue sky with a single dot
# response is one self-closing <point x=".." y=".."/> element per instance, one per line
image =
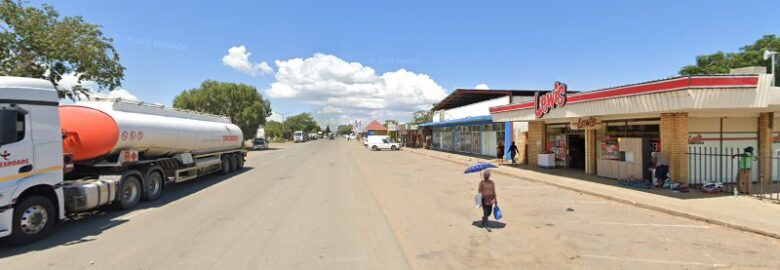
<point x="169" y="46"/>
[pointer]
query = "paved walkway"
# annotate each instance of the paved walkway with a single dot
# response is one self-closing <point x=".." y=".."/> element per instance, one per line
<point x="740" y="212"/>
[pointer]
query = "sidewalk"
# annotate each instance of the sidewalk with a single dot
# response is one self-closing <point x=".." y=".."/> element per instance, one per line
<point x="739" y="212"/>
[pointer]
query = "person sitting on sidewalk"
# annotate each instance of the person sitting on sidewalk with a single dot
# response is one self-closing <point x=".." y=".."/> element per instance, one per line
<point x="745" y="174"/>
<point x="488" y="190"/>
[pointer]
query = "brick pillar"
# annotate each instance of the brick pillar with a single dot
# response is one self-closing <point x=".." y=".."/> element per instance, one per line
<point x="521" y="139"/>
<point x="590" y="151"/>
<point x="764" y="151"/>
<point x="536" y="141"/>
<point x="674" y="144"/>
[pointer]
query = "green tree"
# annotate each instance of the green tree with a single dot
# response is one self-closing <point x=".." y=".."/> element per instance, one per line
<point x="327" y="130"/>
<point x="721" y="62"/>
<point x="302" y="121"/>
<point x="38" y="43"/>
<point x="245" y="107"/>
<point x="273" y="129"/>
<point x="423" y="116"/>
<point x="344" y="129"/>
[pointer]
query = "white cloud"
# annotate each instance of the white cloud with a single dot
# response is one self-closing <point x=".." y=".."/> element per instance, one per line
<point x="482" y="86"/>
<point x="71" y="79"/>
<point x="238" y="59"/>
<point x="352" y="89"/>
<point x="331" y="110"/>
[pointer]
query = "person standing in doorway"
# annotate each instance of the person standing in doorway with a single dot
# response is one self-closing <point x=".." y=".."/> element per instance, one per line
<point x="513" y="152"/>
<point x="661" y="163"/>
<point x="500" y="153"/>
<point x="745" y="165"/>
<point x="488" y="190"/>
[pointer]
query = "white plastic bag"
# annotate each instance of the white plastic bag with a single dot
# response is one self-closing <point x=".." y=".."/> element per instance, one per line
<point x="478" y="199"/>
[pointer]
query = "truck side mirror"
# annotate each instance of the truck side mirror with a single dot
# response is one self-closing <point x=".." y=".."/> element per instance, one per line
<point x="8" y="132"/>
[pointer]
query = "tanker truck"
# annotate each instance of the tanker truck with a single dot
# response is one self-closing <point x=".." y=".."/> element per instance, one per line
<point x="60" y="160"/>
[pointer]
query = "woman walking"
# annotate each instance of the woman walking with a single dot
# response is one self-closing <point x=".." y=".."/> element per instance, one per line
<point x="488" y="190"/>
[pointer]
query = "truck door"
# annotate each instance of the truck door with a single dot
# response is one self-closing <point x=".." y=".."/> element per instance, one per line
<point x="16" y="155"/>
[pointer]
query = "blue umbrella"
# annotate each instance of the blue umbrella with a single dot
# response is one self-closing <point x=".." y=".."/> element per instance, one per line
<point x="479" y="167"/>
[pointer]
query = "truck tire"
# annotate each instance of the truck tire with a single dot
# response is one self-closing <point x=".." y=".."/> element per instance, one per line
<point x="129" y="192"/>
<point x="374" y="148"/>
<point x="153" y="186"/>
<point x="34" y="218"/>
<point x="393" y="148"/>
<point x="225" y="165"/>
<point x="233" y="163"/>
<point x="240" y="159"/>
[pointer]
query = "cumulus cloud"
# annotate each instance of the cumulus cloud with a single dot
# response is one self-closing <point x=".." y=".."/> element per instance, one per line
<point x="238" y="59"/>
<point x="71" y="79"/>
<point x="482" y="86"/>
<point x="352" y="89"/>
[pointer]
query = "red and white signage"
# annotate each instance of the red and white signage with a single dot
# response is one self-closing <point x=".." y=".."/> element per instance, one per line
<point x="554" y="99"/>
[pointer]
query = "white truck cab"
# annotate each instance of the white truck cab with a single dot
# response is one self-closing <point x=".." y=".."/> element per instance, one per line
<point x="31" y="160"/>
<point x="380" y="142"/>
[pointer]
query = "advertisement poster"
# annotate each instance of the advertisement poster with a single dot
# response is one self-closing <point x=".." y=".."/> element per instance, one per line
<point x="609" y="149"/>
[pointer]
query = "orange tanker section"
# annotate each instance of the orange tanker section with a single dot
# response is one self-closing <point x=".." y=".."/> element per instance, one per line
<point x="89" y="133"/>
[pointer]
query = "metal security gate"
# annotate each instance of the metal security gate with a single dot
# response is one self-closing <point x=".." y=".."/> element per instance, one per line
<point x="713" y="164"/>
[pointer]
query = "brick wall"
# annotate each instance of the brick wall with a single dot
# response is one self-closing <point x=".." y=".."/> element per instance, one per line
<point x="536" y="141"/>
<point x="590" y="151"/>
<point x="521" y="139"/>
<point x="764" y="151"/>
<point x="674" y="144"/>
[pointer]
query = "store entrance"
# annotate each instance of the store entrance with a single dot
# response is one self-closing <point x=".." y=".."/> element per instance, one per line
<point x="576" y="151"/>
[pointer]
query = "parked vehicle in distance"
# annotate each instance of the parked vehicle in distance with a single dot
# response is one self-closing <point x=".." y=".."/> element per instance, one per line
<point x="61" y="160"/>
<point x="260" y="144"/>
<point x="298" y="136"/>
<point x="376" y="143"/>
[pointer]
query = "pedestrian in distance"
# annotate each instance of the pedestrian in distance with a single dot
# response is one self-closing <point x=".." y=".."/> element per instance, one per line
<point x="745" y="173"/>
<point x="488" y="190"/>
<point x="513" y="152"/>
<point x="500" y="153"/>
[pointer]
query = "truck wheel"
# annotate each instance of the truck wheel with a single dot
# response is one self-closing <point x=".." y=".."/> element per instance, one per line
<point x="225" y="165"/>
<point x="233" y="163"/>
<point x="154" y="186"/>
<point x="129" y="192"/>
<point x="393" y="148"/>
<point x="33" y="220"/>
<point x="240" y="159"/>
<point x="374" y="148"/>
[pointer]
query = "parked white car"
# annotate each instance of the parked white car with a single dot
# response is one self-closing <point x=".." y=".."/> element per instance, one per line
<point x="376" y="143"/>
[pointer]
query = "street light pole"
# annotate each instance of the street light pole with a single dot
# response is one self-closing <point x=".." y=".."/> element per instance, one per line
<point x="283" y="118"/>
<point x="773" y="55"/>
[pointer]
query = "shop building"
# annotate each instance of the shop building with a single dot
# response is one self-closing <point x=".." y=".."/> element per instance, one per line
<point x="696" y="122"/>
<point x="462" y="122"/>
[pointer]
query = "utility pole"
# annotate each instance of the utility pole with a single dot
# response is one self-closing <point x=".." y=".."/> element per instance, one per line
<point x="283" y="118"/>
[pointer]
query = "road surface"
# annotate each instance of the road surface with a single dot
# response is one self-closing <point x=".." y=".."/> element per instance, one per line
<point x="335" y="205"/>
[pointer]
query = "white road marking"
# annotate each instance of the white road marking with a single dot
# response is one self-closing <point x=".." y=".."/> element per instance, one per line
<point x="629" y="259"/>
<point x="643" y="224"/>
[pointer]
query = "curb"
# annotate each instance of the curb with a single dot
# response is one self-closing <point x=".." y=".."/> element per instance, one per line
<point x="621" y="200"/>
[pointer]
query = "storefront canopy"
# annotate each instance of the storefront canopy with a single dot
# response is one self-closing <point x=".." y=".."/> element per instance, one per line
<point x="468" y="121"/>
<point x="680" y="94"/>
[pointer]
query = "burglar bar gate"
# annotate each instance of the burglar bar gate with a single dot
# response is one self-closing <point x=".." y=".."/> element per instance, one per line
<point x="714" y="164"/>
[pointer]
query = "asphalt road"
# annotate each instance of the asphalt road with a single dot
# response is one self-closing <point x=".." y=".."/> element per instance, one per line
<point x="335" y="205"/>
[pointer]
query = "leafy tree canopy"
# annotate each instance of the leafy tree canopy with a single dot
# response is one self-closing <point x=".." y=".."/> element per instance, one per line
<point x="423" y="116"/>
<point x="245" y="107"/>
<point x="38" y="43"/>
<point x="304" y="121"/>
<point x="722" y="62"/>
<point x="344" y="129"/>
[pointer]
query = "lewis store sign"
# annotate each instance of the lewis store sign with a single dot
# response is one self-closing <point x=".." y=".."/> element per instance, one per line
<point x="555" y="99"/>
